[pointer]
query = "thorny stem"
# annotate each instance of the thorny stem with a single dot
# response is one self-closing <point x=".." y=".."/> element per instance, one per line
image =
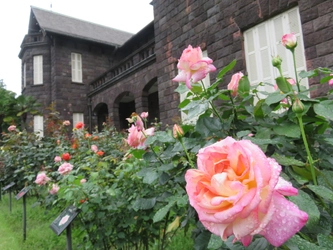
<point x="152" y="149"/>
<point x="313" y="174"/>
<point x="211" y="104"/>
<point x="294" y="60"/>
<point x="187" y="155"/>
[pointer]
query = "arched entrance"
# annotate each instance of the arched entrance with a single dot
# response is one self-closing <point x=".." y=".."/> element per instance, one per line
<point x="101" y="113"/>
<point x="126" y="108"/>
<point x="153" y="102"/>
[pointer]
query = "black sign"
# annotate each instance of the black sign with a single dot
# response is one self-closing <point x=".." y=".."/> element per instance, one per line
<point x="8" y="186"/>
<point x="22" y="193"/>
<point x="64" y="219"/>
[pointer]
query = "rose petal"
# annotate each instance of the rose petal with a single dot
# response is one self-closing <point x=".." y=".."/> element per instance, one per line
<point x="286" y="221"/>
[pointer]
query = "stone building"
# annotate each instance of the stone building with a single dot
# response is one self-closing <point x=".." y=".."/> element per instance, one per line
<point x="92" y="72"/>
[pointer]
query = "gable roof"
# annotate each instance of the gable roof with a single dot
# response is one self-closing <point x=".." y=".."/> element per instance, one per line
<point x="53" y="22"/>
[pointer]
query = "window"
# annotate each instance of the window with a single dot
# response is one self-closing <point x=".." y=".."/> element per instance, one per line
<point x="206" y="82"/>
<point x="38" y="69"/>
<point x="77" y="117"/>
<point x="39" y="125"/>
<point x="76" y="67"/>
<point x="24" y="75"/>
<point x="264" y="41"/>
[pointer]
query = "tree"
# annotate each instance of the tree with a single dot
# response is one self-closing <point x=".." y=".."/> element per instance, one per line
<point x="26" y="105"/>
<point x="7" y="111"/>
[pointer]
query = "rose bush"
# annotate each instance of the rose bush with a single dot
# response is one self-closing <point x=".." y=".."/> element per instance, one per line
<point x="237" y="170"/>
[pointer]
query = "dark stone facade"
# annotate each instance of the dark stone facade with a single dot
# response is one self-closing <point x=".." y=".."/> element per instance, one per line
<point x="138" y="75"/>
<point x="217" y="26"/>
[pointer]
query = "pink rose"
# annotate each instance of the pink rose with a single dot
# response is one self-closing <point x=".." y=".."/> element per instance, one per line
<point x="57" y="159"/>
<point x="65" y="168"/>
<point x="11" y="128"/>
<point x="41" y="179"/>
<point x="330" y="82"/>
<point x="233" y="84"/>
<point x="83" y="181"/>
<point x="55" y="188"/>
<point x="289" y="41"/>
<point x="136" y="138"/>
<point x="291" y="81"/>
<point x="193" y="66"/>
<point x="144" y="115"/>
<point x="66" y="123"/>
<point x="237" y="190"/>
<point x="94" y="148"/>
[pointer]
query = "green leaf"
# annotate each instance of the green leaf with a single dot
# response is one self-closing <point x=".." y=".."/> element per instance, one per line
<point x="324" y="109"/>
<point x="304" y="173"/>
<point x="144" y="203"/>
<point x="306" y="203"/>
<point x="181" y="88"/>
<point x="297" y="242"/>
<point x="160" y="214"/>
<point x="288" y="129"/>
<point x="326" y="79"/>
<point x="283" y="85"/>
<point x="184" y="103"/>
<point x="325" y="178"/>
<point x="258" y="112"/>
<point x="244" y="86"/>
<point x="138" y="153"/>
<point x="227" y="68"/>
<point x="311" y="73"/>
<point x="201" y="240"/>
<point x="287" y="161"/>
<point x="215" y="242"/>
<point x="322" y="191"/>
<point x="325" y="241"/>
<point x="207" y="125"/>
<point x="243" y="133"/>
<point x="261" y="141"/>
<point x="258" y="244"/>
<point x="274" y="97"/>
<point x="301" y="180"/>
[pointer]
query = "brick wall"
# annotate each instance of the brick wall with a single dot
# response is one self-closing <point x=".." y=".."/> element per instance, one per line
<point x="217" y="26"/>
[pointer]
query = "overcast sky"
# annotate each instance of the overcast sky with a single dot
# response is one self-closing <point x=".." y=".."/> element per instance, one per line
<point x="127" y="15"/>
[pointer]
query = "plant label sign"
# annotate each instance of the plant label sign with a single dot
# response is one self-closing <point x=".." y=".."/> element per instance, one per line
<point x="8" y="186"/>
<point x="64" y="219"/>
<point x="23" y="192"/>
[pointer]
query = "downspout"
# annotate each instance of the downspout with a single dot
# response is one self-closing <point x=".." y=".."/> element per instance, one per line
<point x="90" y="115"/>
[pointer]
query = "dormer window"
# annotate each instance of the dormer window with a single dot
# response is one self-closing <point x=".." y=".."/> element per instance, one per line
<point x="76" y="67"/>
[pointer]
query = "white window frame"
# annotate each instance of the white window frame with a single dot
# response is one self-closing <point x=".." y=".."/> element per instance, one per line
<point x="206" y="82"/>
<point x="24" y="75"/>
<point x="39" y="125"/>
<point x="78" y="117"/>
<point x="263" y="41"/>
<point x="38" y="69"/>
<point x="76" y="61"/>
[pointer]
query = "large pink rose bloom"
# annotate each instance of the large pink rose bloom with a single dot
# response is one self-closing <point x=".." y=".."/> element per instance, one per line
<point x="65" y="168"/>
<point x="193" y="67"/>
<point x="136" y="138"/>
<point x="234" y="82"/>
<point x="236" y="190"/>
<point x="42" y="179"/>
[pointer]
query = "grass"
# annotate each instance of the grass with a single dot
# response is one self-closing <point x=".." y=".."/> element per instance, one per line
<point x="39" y="234"/>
